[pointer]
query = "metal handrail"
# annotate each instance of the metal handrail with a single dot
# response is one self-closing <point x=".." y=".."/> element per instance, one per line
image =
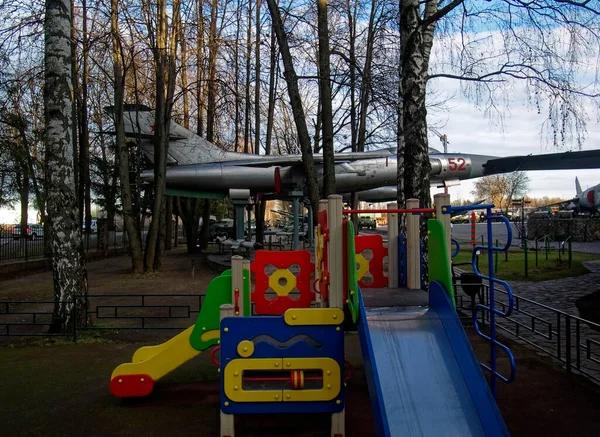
<point x="569" y="342"/>
<point x="490" y="308"/>
<point x="457" y="244"/>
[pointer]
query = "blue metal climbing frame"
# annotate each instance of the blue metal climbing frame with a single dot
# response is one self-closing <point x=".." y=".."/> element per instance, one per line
<point x="492" y="281"/>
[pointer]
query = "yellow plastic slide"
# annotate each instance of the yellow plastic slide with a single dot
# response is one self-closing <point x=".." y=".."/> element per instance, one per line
<point x="153" y="362"/>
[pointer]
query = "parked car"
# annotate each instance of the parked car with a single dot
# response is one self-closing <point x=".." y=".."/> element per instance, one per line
<point x="462" y="218"/>
<point x="34" y="231"/>
<point x="93" y="226"/>
<point x="366" y="222"/>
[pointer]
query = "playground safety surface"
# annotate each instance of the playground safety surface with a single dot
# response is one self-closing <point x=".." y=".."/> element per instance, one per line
<point x="62" y="389"/>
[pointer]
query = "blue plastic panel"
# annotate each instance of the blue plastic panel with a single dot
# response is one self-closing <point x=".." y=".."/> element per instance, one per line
<point x="273" y="338"/>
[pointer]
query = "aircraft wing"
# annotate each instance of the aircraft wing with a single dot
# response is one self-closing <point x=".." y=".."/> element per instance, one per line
<point x="291" y="160"/>
<point x="553" y="161"/>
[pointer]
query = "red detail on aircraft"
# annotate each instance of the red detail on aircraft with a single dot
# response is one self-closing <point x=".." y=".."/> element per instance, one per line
<point x="277" y="180"/>
<point x="590" y="197"/>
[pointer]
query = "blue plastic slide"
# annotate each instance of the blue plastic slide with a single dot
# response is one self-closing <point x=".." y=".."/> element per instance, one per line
<point x="424" y="378"/>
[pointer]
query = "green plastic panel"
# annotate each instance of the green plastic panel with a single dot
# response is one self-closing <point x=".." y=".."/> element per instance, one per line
<point x="219" y="293"/>
<point x="247" y="298"/>
<point x="353" y="289"/>
<point x="439" y="262"/>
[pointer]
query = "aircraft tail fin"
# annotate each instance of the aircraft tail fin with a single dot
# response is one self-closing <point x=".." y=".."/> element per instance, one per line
<point x="139" y="123"/>
<point x="185" y="147"/>
<point x="577" y="186"/>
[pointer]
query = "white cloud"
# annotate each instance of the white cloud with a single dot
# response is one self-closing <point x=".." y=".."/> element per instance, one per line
<point x="469" y="131"/>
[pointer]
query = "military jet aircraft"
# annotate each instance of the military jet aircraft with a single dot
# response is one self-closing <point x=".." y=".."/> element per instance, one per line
<point x="198" y="165"/>
<point x="585" y="201"/>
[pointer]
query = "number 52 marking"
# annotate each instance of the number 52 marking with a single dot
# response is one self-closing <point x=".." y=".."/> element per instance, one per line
<point x="456" y="164"/>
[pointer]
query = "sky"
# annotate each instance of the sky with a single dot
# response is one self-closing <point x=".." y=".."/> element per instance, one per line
<point x="469" y="131"/>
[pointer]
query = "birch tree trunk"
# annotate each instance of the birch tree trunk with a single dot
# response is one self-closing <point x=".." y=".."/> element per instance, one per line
<point x="414" y="113"/>
<point x="68" y="264"/>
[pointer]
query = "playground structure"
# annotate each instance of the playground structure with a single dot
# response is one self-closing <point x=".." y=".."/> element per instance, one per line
<point x="281" y="345"/>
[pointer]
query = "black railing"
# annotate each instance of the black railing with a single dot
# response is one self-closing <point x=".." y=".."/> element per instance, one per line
<point x="14" y="247"/>
<point x="17" y="247"/>
<point x="104" y="312"/>
<point x="572" y="341"/>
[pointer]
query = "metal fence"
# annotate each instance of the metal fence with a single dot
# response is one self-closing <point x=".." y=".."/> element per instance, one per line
<point x="16" y="248"/>
<point x="104" y="312"/>
<point x="572" y="341"/>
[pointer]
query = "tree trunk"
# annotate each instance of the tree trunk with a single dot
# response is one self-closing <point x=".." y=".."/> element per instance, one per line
<point x="326" y="106"/>
<point x="165" y="59"/>
<point x="416" y="176"/>
<point x="257" y="85"/>
<point x="365" y="87"/>
<point x="169" y="224"/>
<point x="212" y="69"/>
<point x="248" y="63"/>
<point x="274" y="69"/>
<point x="190" y="211"/>
<point x="351" y="11"/>
<point x="68" y="264"/>
<point x="130" y="218"/>
<point x="74" y="117"/>
<point x="205" y="225"/>
<point x="24" y="197"/>
<point x="200" y="69"/>
<point x="259" y="218"/>
<point x="236" y="72"/>
<point x="296" y="103"/>
<point x="85" y="208"/>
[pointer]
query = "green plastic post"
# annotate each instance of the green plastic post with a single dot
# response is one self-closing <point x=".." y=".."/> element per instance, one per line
<point x="351" y="272"/>
<point x="209" y="318"/>
<point x="247" y="299"/>
<point x="439" y="262"/>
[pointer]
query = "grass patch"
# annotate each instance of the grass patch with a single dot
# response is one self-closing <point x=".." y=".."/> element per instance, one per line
<point x="511" y="267"/>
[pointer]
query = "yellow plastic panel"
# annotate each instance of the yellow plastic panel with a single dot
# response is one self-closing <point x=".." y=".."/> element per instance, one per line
<point x="233" y="380"/>
<point x="245" y="348"/>
<point x="363" y="266"/>
<point x="290" y="282"/>
<point x="210" y="335"/>
<point x="331" y="379"/>
<point x="314" y="316"/>
<point x="147" y="352"/>
<point x="165" y="358"/>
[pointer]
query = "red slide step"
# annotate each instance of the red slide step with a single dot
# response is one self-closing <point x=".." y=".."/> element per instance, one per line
<point x="130" y="386"/>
